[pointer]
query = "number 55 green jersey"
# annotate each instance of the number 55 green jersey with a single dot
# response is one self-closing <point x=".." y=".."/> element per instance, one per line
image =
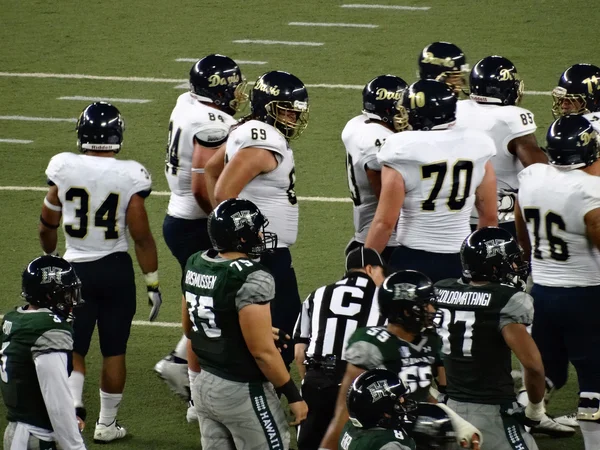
<point x="216" y="289"/>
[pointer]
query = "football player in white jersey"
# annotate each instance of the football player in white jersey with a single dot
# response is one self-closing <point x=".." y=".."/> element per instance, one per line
<point x="259" y="166"/>
<point x="444" y="61"/>
<point x="363" y="136"/>
<point x="198" y="127"/>
<point x="496" y="90"/>
<point x="100" y="199"/>
<point x="558" y="226"/>
<point x="435" y="175"/>
<point x="578" y="92"/>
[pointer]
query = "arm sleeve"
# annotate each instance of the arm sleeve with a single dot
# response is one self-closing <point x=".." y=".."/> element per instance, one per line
<point x="589" y="197"/>
<point x="212" y="134"/>
<point x="259" y="288"/>
<point x="53" y="170"/>
<point x="302" y="328"/>
<point x="142" y="181"/>
<point x="364" y="355"/>
<point x="519" y="309"/>
<point x="399" y="160"/>
<point x="255" y="134"/>
<point x="395" y="445"/>
<point x="51" y="371"/>
<point x="52" y="341"/>
<point x="519" y="122"/>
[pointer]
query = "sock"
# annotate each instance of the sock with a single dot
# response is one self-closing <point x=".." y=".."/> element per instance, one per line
<point x="75" y="383"/>
<point x="192" y="376"/>
<point x="109" y="406"/>
<point x="181" y="349"/>
<point x="591" y="434"/>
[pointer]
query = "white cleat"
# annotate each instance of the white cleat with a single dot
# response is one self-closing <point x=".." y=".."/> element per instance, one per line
<point x="175" y="374"/>
<point x="107" y="433"/>
<point x="552" y="428"/>
<point x="191" y="414"/>
<point x="569" y="420"/>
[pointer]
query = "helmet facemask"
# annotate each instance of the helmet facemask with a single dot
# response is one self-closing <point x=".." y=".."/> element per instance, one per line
<point x="400" y="119"/>
<point x="458" y="80"/>
<point x="240" y="97"/>
<point x="577" y="104"/>
<point x="281" y="112"/>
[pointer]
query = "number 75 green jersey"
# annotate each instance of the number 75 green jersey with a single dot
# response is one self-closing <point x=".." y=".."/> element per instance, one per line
<point x="215" y="290"/>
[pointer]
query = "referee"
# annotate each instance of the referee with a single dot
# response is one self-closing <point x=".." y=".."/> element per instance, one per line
<point x="328" y="318"/>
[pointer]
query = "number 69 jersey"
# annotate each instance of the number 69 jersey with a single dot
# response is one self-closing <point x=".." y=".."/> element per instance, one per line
<point x="272" y="192"/>
<point x="476" y="357"/>
<point x="94" y="192"/>
<point x="373" y="347"/>
<point x="441" y="171"/>
<point x="215" y="289"/>
<point x="554" y="204"/>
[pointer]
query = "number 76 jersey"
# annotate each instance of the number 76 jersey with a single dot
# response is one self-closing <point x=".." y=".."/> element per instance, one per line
<point x="94" y="192"/>
<point x="476" y="357"/>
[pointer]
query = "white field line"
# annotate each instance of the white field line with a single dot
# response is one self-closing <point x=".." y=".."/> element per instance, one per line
<point x="38" y="119"/>
<point x="16" y="141"/>
<point x="268" y="42"/>
<point x="145" y="323"/>
<point x="239" y="61"/>
<point x="339" y="25"/>
<point x="185" y="84"/>
<point x="403" y="8"/>
<point x="167" y="193"/>
<point x="105" y="99"/>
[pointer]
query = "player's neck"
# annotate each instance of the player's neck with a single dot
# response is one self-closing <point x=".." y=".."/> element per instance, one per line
<point x="593" y="169"/>
<point x="233" y="255"/>
<point x="100" y="154"/>
<point x="400" y="332"/>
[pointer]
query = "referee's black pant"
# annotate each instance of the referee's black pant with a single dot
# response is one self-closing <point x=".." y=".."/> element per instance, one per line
<point x="320" y="392"/>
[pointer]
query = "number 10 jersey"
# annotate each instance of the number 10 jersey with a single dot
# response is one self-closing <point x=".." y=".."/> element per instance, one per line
<point x="476" y="357"/>
<point x="94" y="192"/>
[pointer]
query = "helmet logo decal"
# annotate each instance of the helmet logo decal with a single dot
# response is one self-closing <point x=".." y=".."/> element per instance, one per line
<point x="593" y="83"/>
<point x="495" y="247"/>
<point x="585" y="138"/>
<point x="261" y="86"/>
<point x="405" y="291"/>
<point x="505" y="75"/>
<point x="379" y="390"/>
<point x="384" y="94"/>
<point x="217" y="80"/>
<point x="429" y="58"/>
<point x="243" y="218"/>
<point x="50" y="274"/>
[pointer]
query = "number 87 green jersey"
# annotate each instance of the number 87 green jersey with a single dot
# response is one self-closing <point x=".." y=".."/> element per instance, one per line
<point x="215" y="289"/>
<point x="476" y="357"/>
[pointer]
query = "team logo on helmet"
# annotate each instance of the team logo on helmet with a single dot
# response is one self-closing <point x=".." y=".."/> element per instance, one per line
<point x="50" y="274"/>
<point x="243" y="218"/>
<point x="379" y="390"/>
<point x="506" y="74"/>
<point x="263" y="87"/>
<point x="495" y="247"/>
<point x="218" y="80"/>
<point x="405" y="291"/>
<point x="585" y="138"/>
<point x="429" y="58"/>
<point x="384" y="94"/>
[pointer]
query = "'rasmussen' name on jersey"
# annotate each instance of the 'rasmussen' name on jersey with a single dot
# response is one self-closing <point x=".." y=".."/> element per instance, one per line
<point x="199" y="280"/>
<point x="464" y="298"/>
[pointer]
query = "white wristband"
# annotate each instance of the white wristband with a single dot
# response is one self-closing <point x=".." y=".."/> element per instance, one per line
<point x="535" y="411"/>
<point x="50" y="206"/>
<point x="151" y="278"/>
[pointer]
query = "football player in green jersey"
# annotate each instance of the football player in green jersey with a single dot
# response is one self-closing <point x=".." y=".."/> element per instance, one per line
<point x="407" y="346"/>
<point x="226" y="314"/>
<point x="485" y="315"/>
<point x="35" y="359"/>
<point x="382" y="418"/>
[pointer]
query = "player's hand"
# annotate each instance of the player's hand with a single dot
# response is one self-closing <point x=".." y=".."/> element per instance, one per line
<point x="300" y="411"/>
<point x="474" y="444"/>
<point x="281" y="338"/>
<point x="155" y="301"/>
<point x="81" y="414"/>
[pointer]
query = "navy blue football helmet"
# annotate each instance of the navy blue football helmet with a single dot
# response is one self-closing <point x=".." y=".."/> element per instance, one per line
<point x="100" y="128"/>
<point x="572" y="142"/>
<point x="430" y="104"/>
<point x="444" y="61"/>
<point x="380" y="98"/>
<point x="494" y="79"/>
<point x="578" y="91"/>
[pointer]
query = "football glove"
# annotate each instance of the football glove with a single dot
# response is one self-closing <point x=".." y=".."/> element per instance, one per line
<point x="154" y="295"/>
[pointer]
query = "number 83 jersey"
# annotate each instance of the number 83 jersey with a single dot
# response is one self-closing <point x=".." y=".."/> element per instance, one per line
<point x="94" y="192"/>
<point x="273" y="192"/>
<point x="476" y="357"/>
<point x="441" y="170"/>
<point x="372" y="347"/>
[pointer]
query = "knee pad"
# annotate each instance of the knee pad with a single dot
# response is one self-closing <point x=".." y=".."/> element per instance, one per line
<point x="589" y="407"/>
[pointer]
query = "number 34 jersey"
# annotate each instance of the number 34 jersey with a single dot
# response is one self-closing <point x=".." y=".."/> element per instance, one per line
<point x="273" y="192"/>
<point x="94" y="192"/>
<point x="554" y="204"/>
<point x="441" y="171"/>
<point x="476" y="357"/>
<point x="372" y="347"/>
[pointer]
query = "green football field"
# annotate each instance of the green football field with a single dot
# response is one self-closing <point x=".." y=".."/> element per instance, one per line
<point x="129" y="50"/>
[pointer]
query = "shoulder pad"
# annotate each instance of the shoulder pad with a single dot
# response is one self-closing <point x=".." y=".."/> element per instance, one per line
<point x="212" y="134"/>
<point x="260" y="135"/>
<point x="141" y="178"/>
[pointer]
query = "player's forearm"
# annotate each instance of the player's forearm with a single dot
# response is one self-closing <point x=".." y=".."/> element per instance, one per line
<point x="300" y="356"/>
<point x="272" y="366"/>
<point x="379" y="235"/>
<point x="201" y="193"/>
<point x="535" y="383"/>
<point x="48" y="238"/>
<point x="146" y="254"/>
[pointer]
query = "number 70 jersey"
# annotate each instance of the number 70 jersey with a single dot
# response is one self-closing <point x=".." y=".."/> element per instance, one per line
<point x="94" y="192"/>
<point x="441" y="170"/>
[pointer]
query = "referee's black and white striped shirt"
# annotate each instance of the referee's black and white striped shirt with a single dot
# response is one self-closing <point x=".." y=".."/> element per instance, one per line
<point x="332" y="313"/>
